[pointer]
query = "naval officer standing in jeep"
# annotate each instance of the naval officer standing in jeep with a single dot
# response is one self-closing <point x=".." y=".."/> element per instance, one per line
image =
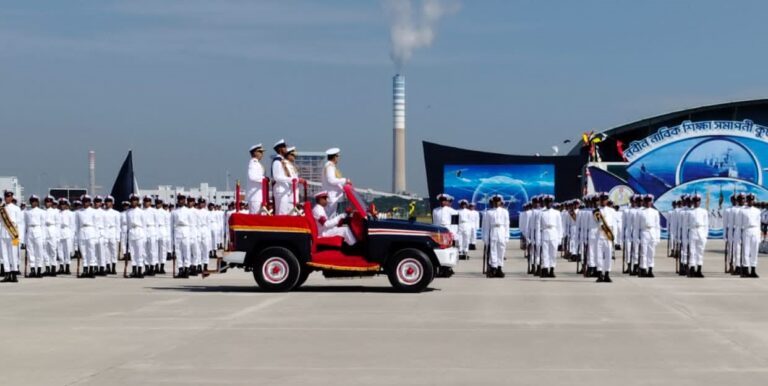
<point x="333" y="182"/>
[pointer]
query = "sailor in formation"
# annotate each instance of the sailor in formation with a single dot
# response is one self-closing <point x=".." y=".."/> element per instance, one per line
<point x="604" y="223"/>
<point x="11" y="237"/>
<point x="111" y="234"/>
<point x="696" y="225"/>
<point x="66" y="247"/>
<point x="649" y="224"/>
<point x="748" y="225"/>
<point x="549" y="227"/>
<point x="466" y="226"/>
<point x="496" y="236"/>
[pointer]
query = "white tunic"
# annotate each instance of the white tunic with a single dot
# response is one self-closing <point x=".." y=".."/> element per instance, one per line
<point x="697" y="223"/>
<point x="255" y="179"/>
<point x="17" y="219"/>
<point x="550" y="225"/>
<point x="332" y="183"/>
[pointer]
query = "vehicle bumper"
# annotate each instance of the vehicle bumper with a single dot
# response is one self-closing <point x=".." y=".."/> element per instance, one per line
<point x="447" y="257"/>
<point x="235" y="257"/>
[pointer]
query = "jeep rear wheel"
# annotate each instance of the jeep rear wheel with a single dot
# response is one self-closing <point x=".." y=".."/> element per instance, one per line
<point x="276" y="270"/>
<point x="410" y="270"/>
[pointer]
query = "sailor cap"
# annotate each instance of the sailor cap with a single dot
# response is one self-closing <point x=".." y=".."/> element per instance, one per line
<point x="751" y="196"/>
<point x="498" y="197"/>
<point x="648" y="197"/>
<point x="133" y="197"/>
<point x="333" y="151"/>
<point x="255" y="147"/>
<point x="279" y="144"/>
<point x="291" y="149"/>
<point x="7" y="193"/>
<point x="463" y="201"/>
<point x="109" y="199"/>
<point x="34" y="197"/>
<point x="98" y="199"/>
<point x="85" y="197"/>
<point x="158" y="201"/>
<point x="442" y="196"/>
<point x="49" y="198"/>
<point x="125" y="203"/>
<point x="321" y="194"/>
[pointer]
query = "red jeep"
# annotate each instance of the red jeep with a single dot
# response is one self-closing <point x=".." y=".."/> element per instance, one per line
<point x="282" y="251"/>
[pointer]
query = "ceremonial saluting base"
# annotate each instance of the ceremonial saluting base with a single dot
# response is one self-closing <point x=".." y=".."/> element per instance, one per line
<point x="465" y="331"/>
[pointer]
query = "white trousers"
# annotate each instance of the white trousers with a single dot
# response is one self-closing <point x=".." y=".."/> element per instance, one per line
<point x="548" y="253"/>
<point x="604" y="255"/>
<point x="51" y="246"/>
<point x="255" y="200"/>
<point x="151" y="250"/>
<point x="648" y="249"/>
<point x="194" y="247"/>
<point x="592" y="253"/>
<point x="636" y="250"/>
<point x="284" y="203"/>
<point x="183" y="252"/>
<point x="110" y="251"/>
<point x="344" y="232"/>
<point x="163" y="248"/>
<point x="751" y="244"/>
<point x="498" y="248"/>
<point x="9" y="254"/>
<point x="463" y="239"/>
<point x="101" y="252"/>
<point x="88" y="251"/>
<point x="736" y="252"/>
<point x="138" y="250"/>
<point x="684" y="247"/>
<point x="66" y="249"/>
<point x="696" y="254"/>
<point x="36" y="252"/>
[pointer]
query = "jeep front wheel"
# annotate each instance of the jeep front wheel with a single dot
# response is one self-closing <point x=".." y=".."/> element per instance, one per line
<point x="410" y="270"/>
<point x="276" y="270"/>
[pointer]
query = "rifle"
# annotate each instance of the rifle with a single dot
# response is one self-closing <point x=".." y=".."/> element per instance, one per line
<point x="78" y="257"/>
<point x="624" y="258"/>
<point x="127" y="255"/>
<point x="485" y="257"/>
<point x="26" y="261"/>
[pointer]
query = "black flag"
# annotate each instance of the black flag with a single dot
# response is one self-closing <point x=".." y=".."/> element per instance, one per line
<point x="125" y="184"/>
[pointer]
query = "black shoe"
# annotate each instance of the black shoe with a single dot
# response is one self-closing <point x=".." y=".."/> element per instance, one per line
<point x="205" y="267"/>
<point x="53" y="271"/>
<point x="607" y="278"/>
<point x="67" y="271"/>
<point x="600" y="278"/>
<point x="490" y="273"/>
<point x="745" y="272"/>
<point x="61" y="269"/>
<point x="101" y="272"/>
<point x="650" y="273"/>
<point x="499" y="273"/>
<point x="691" y="271"/>
<point x="180" y="275"/>
<point x="538" y="271"/>
<point x="7" y="278"/>
<point x="698" y="272"/>
<point x="14" y="278"/>
<point x="114" y="268"/>
<point x="139" y="275"/>
<point x="47" y="271"/>
<point x="753" y="274"/>
<point x="162" y="269"/>
<point x="2" y="270"/>
<point x="93" y="272"/>
<point x="643" y="273"/>
<point x="552" y="273"/>
<point x="635" y="270"/>
<point x="134" y="273"/>
<point x="192" y="270"/>
<point x="200" y="269"/>
<point x="736" y="271"/>
<point x="150" y="270"/>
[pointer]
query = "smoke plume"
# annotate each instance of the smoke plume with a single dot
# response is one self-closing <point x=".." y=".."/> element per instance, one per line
<point x="414" y="25"/>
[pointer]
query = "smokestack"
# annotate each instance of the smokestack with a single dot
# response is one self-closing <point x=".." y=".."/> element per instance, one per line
<point x="91" y="172"/>
<point x="398" y="148"/>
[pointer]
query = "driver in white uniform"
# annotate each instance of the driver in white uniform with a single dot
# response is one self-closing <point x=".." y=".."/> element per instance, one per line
<point x="329" y="227"/>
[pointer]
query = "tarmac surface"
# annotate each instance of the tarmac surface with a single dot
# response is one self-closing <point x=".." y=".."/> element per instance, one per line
<point x="467" y="330"/>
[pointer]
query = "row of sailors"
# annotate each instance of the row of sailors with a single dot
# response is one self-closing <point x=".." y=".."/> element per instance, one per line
<point x="742" y="222"/>
<point x="285" y="178"/>
<point x="589" y="231"/>
<point x="95" y="231"/>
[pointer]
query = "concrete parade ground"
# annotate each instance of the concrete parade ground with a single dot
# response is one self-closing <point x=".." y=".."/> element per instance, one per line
<point x="466" y="330"/>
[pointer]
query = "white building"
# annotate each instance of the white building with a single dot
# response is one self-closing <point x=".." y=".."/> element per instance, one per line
<point x="168" y="193"/>
<point x="12" y="184"/>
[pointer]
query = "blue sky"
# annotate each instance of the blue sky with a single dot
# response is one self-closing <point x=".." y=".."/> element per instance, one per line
<point x="190" y="84"/>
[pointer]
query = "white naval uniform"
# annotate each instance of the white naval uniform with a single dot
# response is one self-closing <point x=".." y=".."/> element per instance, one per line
<point x="650" y="235"/>
<point x="475" y="216"/>
<point x="204" y="235"/>
<point x="683" y="225"/>
<point x="333" y="183"/>
<point x="137" y="236"/>
<point x="52" y="225"/>
<point x="284" y="174"/>
<point x="8" y="251"/>
<point x="100" y="218"/>
<point x="182" y="235"/>
<point x="749" y="223"/>
<point x="466" y="224"/>
<point x="330" y="227"/>
<point x="67" y="228"/>
<point x="163" y="220"/>
<point x="549" y="227"/>
<point x="697" y="225"/>
<point x="254" y="195"/>
<point x="534" y="235"/>
<point x="111" y="235"/>
<point x="442" y="216"/>
<point x="87" y="235"/>
<point x="636" y="236"/>
<point x="573" y="232"/>
<point x="151" y="236"/>
<point x="498" y="235"/>
<point x="604" y="245"/>
<point x="522" y="223"/>
<point x="34" y="220"/>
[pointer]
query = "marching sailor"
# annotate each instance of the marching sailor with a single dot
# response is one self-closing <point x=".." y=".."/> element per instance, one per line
<point x="34" y="221"/>
<point x="684" y="222"/>
<point x="497" y="236"/>
<point x="650" y="235"/>
<point x="111" y="234"/>
<point x="329" y="227"/>
<point x="52" y="225"/>
<point x="180" y="218"/>
<point x="465" y="229"/>
<point x="749" y="224"/>
<point x="150" y="232"/>
<point x="66" y="236"/>
<point x="333" y="182"/>
<point x="87" y="236"/>
<point x="11" y="235"/>
<point x="254" y="196"/>
<point x="137" y="237"/>
<point x="697" y="224"/>
<point x="604" y="224"/>
<point x="549" y="227"/>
